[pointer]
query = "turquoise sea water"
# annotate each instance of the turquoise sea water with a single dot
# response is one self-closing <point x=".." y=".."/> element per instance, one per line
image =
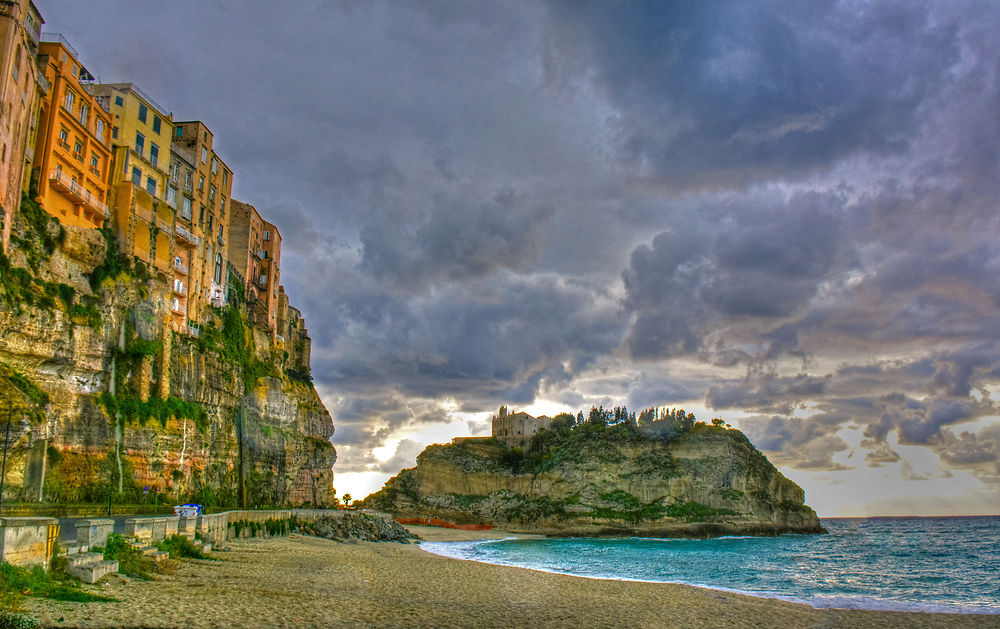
<point x="912" y="564"/>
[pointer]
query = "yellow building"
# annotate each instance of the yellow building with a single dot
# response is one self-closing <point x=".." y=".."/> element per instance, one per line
<point x="211" y="190"/>
<point x="142" y="202"/>
<point x="20" y="88"/>
<point x="73" y="148"/>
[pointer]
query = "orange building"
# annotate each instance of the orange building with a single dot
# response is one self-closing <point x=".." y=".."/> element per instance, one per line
<point x="73" y="149"/>
<point x="255" y="251"/>
<point x="20" y="87"/>
<point x="211" y="189"/>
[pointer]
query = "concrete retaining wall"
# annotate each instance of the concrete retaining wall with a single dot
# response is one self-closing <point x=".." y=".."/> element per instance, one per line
<point x="94" y="532"/>
<point x="25" y="541"/>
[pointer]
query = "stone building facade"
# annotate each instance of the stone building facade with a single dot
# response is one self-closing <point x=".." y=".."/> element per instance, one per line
<point x="517" y="429"/>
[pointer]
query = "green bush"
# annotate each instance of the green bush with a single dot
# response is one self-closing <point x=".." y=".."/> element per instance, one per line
<point x="131" y="562"/>
<point x="181" y="547"/>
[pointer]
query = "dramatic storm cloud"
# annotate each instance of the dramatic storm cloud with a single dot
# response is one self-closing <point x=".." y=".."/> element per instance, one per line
<point x="781" y="213"/>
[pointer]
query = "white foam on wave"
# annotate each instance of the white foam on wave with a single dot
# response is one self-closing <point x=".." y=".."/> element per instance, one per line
<point x="464" y="551"/>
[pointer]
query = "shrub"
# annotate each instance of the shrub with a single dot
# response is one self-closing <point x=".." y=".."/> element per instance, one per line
<point x="181" y="547"/>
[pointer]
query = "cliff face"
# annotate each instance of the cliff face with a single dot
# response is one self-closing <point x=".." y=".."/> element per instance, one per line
<point x="709" y="481"/>
<point x="131" y="404"/>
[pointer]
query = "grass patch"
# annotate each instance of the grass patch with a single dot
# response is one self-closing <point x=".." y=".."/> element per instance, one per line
<point x="131" y="562"/>
<point x="181" y="547"/>
<point x="54" y="584"/>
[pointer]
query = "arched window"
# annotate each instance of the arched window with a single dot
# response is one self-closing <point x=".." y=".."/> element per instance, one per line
<point x="218" y="268"/>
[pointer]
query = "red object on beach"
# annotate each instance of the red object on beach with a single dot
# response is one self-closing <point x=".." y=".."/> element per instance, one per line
<point x="445" y="524"/>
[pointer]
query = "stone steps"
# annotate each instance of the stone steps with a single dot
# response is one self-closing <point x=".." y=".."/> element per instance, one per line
<point x="93" y="571"/>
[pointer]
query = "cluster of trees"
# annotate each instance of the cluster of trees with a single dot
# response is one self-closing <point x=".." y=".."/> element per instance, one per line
<point x="662" y="423"/>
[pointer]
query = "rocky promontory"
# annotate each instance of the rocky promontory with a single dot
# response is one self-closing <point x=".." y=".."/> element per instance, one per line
<point x="661" y="479"/>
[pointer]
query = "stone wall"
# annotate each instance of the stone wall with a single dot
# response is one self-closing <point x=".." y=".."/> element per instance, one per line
<point x="27" y="541"/>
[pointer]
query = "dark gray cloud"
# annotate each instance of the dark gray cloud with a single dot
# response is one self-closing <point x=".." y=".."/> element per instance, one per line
<point x="776" y="209"/>
<point x="727" y="93"/>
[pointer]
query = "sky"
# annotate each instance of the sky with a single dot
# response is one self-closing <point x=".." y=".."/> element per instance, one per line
<point x="783" y="214"/>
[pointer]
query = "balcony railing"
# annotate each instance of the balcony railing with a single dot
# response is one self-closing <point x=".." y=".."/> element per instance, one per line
<point x="222" y="241"/>
<point x="68" y="184"/>
<point x="180" y="267"/>
<point x="261" y="281"/>
<point x="178" y="307"/>
<point x="58" y="38"/>
<point x="193" y="331"/>
<point x="179" y="287"/>
<point x="185" y="235"/>
<point x="164" y="226"/>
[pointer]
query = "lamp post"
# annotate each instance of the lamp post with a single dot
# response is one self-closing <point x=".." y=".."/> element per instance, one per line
<point x="6" y="441"/>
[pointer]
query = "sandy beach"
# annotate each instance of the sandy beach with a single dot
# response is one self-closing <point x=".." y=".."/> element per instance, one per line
<point x="309" y="582"/>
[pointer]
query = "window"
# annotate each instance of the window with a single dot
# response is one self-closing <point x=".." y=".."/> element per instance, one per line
<point x="156" y="124"/>
<point x="136" y="176"/>
<point x="218" y="268"/>
<point x="211" y="217"/>
<point x="201" y="214"/>
<point x="142" y="113"/>
<point x="100" y="129"/>
<point x="211" y="194"/>
<point x="17" y="63"/>
<point x="186" y="208"/>
<point x="171" y="196"/>
<point x="187" y="180"/>
<point x="204" y="155"/>
<point x="174" y="169"/>
<point x="78" y="149"/>
<point x="201" y="184"/>
<point x="114" y="133"/>
<point x="68" y="100"/>
<point x="267" y="235"/>
<point x="154" y="153"/>
<point x="84" y="113"/>
<point x="179" y="131"/>
<point x="215" y="166"/>
<point x="119" y="102"/>
<point x="93" y="162"/>
<point x="75" y="70"/>
<point x="151" y="186"/>
<point x="222" y="205"/>
<point x="64" y="137"/>
<point x="140" y="142"/>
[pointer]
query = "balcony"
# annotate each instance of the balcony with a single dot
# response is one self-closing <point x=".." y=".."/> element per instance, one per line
<point x="261" y="281"/>
<point x="180" y="288"/>
<point x="279" y="338"/>
<point x="164" y="226"/>
<point x="144" y="213"/>
<point x="180" y="267"/>
<point x="66" y="184"/>
<point x="186" y="238"/>
<point x="193" y="331"/>
<point x="177" y="307"/>
<point x="222" y="241"/>
<point x="186" y="214"/>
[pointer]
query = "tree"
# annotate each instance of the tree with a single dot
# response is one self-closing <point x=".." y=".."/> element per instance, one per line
<point x="347" y="500"/>
<point x="718" y="421"/>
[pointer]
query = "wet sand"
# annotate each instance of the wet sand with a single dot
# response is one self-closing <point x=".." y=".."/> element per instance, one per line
<point x="308" y="582"/>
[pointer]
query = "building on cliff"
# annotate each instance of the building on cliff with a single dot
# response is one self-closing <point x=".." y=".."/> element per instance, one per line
<point x="21" y="88"/>
<point x="143" y="217"/>
<point x="255" y="250"/>
<point x="73" y="147"/>
<point x="212" y="185"/>
<point x="517" y="429"/>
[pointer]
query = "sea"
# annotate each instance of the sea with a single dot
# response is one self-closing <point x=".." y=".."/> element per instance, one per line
<point x="930" y="564"/>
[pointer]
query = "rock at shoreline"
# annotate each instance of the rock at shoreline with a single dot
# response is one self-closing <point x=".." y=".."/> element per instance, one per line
<point x="357" y="526"/>
<point x="612" y="481"/>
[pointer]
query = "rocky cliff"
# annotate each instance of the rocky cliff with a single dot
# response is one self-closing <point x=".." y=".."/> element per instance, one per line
<point x="604" y="480"/>
<point x="106" y="399"/>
